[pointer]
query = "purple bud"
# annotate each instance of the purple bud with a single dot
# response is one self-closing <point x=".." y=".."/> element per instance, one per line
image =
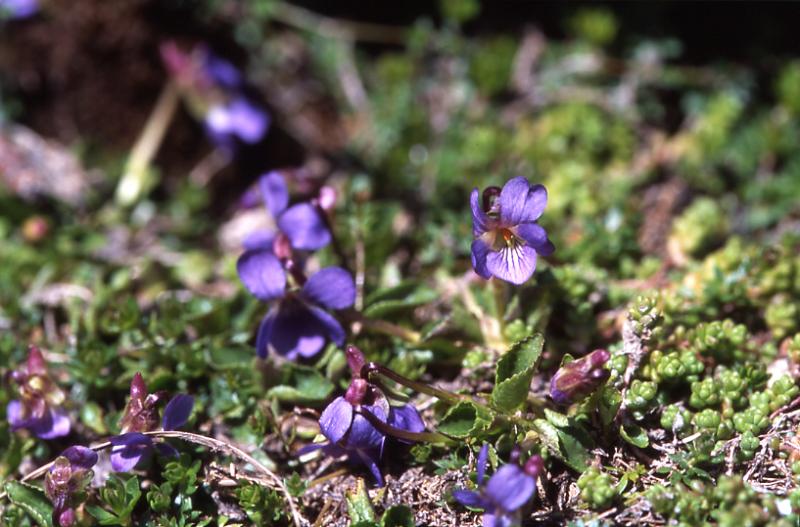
<point x="138" y="387"/>
<point x="356" y="391"/>
<point x="534" y="466"/>
<point x="577" y="379"/>
<point x="355" y="359"/>
<point x="327" y="198"/>
<point x="67" y="518"/>
<point x="281" y="247"/>
<point x="36" y="364"/>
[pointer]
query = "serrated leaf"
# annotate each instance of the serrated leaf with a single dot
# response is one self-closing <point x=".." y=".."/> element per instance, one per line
<point x="563" y="445"/>
<point x="514" y="372"/>
<point x="635" y="435"/>
<point x="556" y="419"/>
<point x="359" y="506"/>
<point x="32" y="500"/>
<point x="398" y="516"/>
<point x="464" y="420"/>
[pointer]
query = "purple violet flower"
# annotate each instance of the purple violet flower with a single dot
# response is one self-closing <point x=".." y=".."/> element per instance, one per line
<point x="38" y="408"/>
<point x="298" y="325"/>
<point x="507" y="237"/>
<point x="352" y="434"/>
<point x="577" y="379"/>
<point x="217" y="94"/>
<point x="65" y="482"/>
<point x="141" y="415"/>
<point x="303" y="224"/>
<point x="506" y="492"/>
<point x="18" y="9"/>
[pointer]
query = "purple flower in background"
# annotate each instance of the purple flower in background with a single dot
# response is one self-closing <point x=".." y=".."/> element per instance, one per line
<point x="66" y="480"/>
<point x="507" y="237"/>
<point x="238" y="118"/>
<point x="141" y="415"/>
<point x="216" y="93"/>
<point x="38" y="408"/>
<point x="18" y="9"/>
<point x="352" y="434"/>
<point x="577" y="379"/>
<point x="506" y="492"/>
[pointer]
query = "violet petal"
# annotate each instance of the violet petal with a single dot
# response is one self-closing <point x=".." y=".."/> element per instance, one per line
<point x="469" y="498"/>
<point x="265" y="333"/>
<point x="177" y="411"/>
<point x="521" y="202"/>
<point x="128" y="450"/>
<point x="54" y="424"/>
<point x="480" y="221"/>
<point x="274" y="191"/>
<point x="331" y="287"/>
<point x="513" y="264"/>
<point x="510" y="488"/>
<point x="336" y="419"/>
<point x="262" y="274"/>
<point x="535" y="236"/>
<point x="480" y="251"/>
<point x="80" y="456"/>
<point x="483" y="456"/>
<point x="305" y="228"/>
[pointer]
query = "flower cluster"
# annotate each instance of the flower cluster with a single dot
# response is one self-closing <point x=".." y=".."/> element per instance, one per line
<point x="507" y="237"/>
<point x="506" y="492"/>
<point x="271" y="268"/>
<point x="38" y="408"/>
<point x="217" y="94"/>
<point x="140" y="416"/>
<point x="358" y="424"/>
<point x="66" y="481"/>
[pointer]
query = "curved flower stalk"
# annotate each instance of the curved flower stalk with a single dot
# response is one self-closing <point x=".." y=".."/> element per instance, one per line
<point x="506" y="492"/>
<point x="38" y="408"/>
<point x="141" y="415"/>
<point x="577" y="379"/>
<point x="66" y="481"/>
<point x="216" y="93"/>
<point x="507" y="237"/>
<point x="358" y="424"/>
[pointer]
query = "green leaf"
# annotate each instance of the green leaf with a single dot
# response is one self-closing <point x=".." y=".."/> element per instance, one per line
<point x="464" y="420"/>
<point x="398" y="516"/>
<point x="398" y="298"/>
<point x="103" y="516"/>
<point x="635" y="435"/>
<point x="608" y="403"/>
<point x="563" y="444"/>
<point x="556" y="419"/>
<point x="303" y="385"/>
<point x="230" y="357"/>
<point x="92" y="417"/>
<point x="32" y="500"/>
<point x="359" y="507"/>
<point x="514" y="372"/>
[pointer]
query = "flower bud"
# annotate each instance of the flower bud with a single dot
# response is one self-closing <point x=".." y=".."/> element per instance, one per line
<point x="355" y="359"/>
<point x="577" y="379"/>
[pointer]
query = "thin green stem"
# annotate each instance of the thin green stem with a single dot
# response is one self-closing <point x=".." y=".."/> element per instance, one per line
<point x="388" y="328"/>
<point x="499" y="292"/>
